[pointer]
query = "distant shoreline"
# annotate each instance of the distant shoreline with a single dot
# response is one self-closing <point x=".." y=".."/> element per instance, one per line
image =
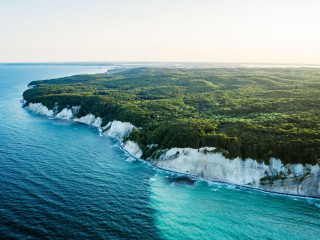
<point x="172" y="64"/>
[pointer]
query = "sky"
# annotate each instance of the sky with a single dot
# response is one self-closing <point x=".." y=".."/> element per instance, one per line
<point x="252" y="31"/>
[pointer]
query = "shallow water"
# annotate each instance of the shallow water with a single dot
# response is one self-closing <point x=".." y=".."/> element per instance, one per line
<point x="61" y="180"/>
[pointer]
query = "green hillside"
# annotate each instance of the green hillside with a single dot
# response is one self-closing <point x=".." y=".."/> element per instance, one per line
<point x="256" y="113"/>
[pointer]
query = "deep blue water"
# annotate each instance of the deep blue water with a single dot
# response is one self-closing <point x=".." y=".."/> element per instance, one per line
<point x="61" y="180"/>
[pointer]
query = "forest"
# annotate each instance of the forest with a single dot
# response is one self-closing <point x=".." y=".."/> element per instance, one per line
<point x="255" y="113"/>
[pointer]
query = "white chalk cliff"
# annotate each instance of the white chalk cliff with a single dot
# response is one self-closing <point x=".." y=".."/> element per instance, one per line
<point x="290" y="178"/>
<point x="295" y="179"/>
<point x="89" y="119"/>
<point x="119" y="129"/>
<point x="133" y="148"/>
<point x="39" y="108"/>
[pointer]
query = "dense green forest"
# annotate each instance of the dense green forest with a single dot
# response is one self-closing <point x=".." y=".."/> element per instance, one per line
<point x="256" y="113"/>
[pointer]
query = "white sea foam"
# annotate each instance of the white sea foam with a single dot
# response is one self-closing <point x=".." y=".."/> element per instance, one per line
<point x="100" y="132"/>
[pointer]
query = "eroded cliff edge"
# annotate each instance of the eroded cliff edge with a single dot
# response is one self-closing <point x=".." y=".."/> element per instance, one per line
<point x="205" y="162"/>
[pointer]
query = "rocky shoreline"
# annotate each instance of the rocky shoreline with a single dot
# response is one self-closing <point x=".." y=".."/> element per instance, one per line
<point x="206" y="163"/>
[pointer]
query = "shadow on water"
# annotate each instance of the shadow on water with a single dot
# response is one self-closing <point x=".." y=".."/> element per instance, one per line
<point x="181" y="180"/>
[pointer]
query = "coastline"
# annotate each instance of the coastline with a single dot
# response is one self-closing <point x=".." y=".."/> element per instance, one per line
<point x="119" y="130"/>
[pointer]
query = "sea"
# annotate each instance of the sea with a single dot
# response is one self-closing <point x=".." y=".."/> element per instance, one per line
<point x="62" y="180"/>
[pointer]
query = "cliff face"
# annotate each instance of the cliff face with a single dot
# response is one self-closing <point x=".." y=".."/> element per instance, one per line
<point x="205" y="162"/>
<point x="276" y="177"/>
<point x="39" y="108"/>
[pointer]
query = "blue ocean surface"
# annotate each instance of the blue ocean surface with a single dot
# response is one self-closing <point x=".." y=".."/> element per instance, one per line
<point x="61" y="180"/>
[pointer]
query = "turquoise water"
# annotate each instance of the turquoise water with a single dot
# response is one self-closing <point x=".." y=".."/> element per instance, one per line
<point x="61" y="180"/>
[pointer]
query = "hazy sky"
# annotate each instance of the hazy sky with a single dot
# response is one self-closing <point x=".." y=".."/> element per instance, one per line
<point x="282" y="31"/>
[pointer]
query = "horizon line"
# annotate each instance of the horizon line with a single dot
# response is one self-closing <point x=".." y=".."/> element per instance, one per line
<point x="172" y="62"/>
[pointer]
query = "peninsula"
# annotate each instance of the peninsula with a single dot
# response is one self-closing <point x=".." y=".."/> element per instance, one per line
<point x="257" y="127"/>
